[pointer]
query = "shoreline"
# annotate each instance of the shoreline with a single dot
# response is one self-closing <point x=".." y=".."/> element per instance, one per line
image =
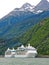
<point x="39" y="56"/>
<point x="43" y="56"/>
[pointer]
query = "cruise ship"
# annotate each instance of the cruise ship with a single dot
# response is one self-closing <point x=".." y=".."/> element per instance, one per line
<point x="22" y="51"/>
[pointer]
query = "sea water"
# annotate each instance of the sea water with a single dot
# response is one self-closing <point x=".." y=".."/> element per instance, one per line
<point x="24" y="61"/>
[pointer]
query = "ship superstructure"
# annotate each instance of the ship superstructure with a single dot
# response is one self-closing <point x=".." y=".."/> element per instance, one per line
<point x="21" y="51"/>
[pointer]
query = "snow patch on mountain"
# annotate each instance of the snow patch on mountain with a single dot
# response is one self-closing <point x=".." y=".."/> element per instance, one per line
<point x="25" y="7"/>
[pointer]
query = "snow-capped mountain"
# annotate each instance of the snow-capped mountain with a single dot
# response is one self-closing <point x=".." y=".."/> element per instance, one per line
<point x="42" y="5"/>
<point x="25" y="7"/>
<point x="18" y="21"/>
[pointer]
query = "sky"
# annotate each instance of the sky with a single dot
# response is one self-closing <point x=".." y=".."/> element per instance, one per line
<point x="7" y="6"/>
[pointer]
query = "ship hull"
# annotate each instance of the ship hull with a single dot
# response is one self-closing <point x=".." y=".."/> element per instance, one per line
<point x="30" y="55"/>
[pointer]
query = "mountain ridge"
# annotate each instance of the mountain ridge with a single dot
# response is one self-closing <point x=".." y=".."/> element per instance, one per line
<point x="42" y="5"/>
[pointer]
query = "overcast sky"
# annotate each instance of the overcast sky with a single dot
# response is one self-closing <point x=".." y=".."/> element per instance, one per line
<point x="8" y="5"/>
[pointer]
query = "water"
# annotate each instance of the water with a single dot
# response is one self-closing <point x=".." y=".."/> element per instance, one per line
<point x="24" y="61"/>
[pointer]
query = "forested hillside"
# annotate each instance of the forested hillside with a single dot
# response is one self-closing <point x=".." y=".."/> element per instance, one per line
<point x="38" y="36"/>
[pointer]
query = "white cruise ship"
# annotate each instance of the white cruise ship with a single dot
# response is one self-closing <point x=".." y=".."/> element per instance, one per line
<point x="21" y="51"/>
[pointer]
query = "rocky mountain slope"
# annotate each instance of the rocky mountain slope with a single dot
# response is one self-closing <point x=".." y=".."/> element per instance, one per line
<point x="42" y="5"/>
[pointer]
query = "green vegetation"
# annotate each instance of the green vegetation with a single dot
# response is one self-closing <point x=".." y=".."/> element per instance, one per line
<point x="38" y="36"/>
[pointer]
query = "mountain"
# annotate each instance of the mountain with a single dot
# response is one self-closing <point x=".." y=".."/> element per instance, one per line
<point x="16" y="23"/>
<point x="25" y="7"/>
<point x="10" y="32"/>
<point x="38" y="36"/>
<point x="20" y="20"/>
<point x="42" y="5"/>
